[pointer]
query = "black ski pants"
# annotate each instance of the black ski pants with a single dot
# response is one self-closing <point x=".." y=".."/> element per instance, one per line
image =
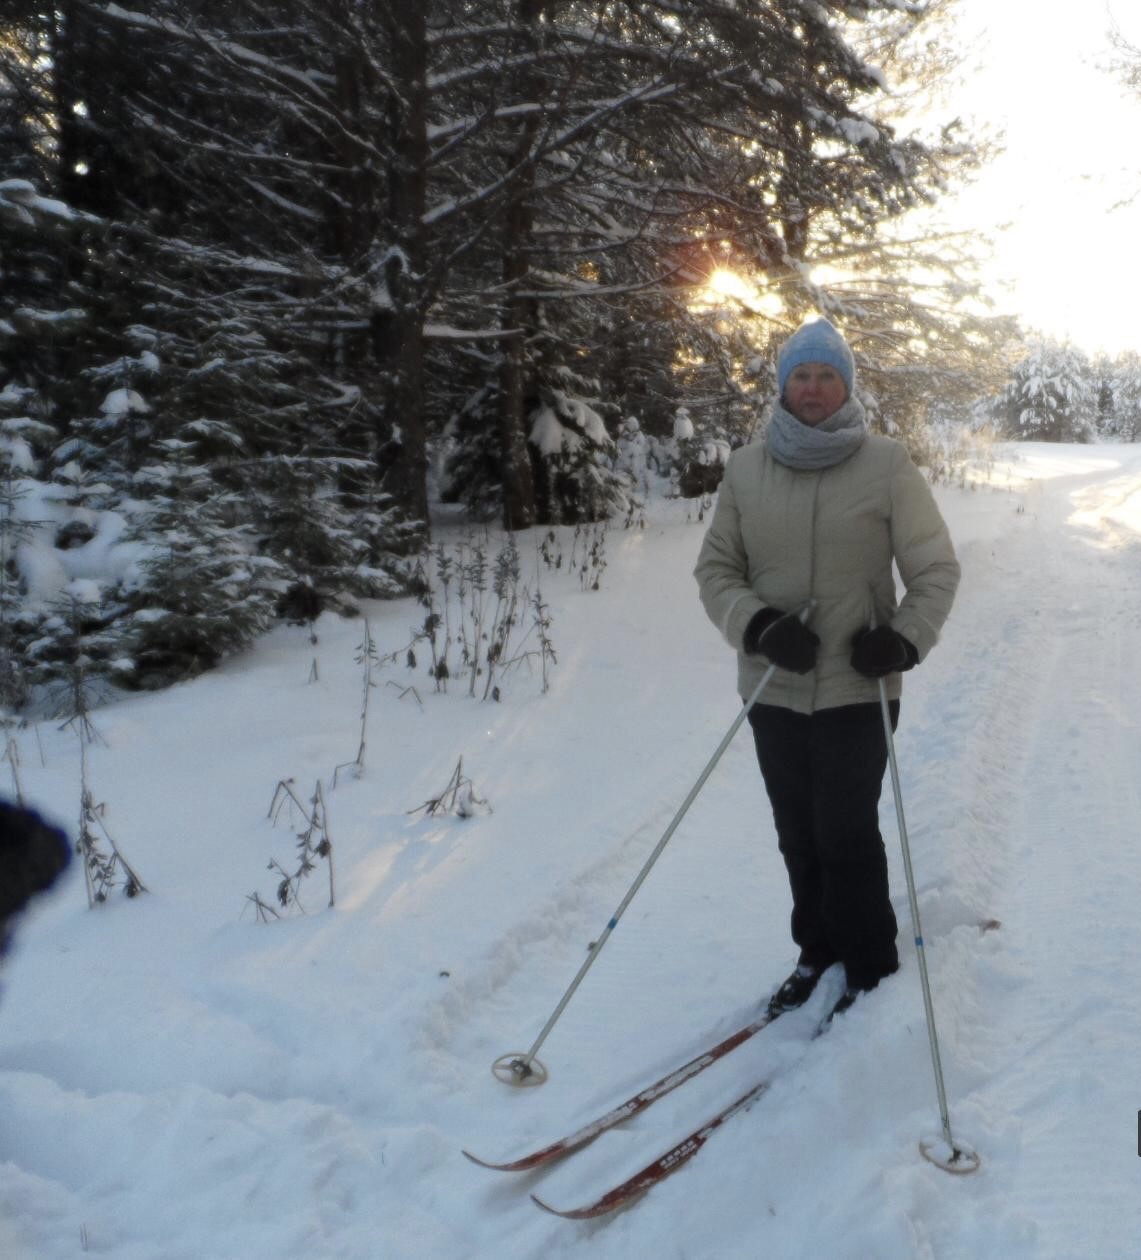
<point x="823" y="773"/>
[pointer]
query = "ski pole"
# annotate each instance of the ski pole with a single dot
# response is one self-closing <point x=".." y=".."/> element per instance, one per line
<point x="525" y="1069"/>
<point x="958" y="1158"/>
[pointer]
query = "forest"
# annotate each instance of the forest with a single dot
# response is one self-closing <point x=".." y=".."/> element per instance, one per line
<point x="281" y="278"/>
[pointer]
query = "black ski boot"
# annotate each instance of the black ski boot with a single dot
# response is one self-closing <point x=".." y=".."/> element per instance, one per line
<point x="795" y="991"/>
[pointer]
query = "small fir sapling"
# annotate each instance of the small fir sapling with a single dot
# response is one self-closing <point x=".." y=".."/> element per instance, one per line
<point x="74" y="653"/>
<point x="458" y="797"/>
<point x="313" y="842"/>
<point x="204" y="590"/>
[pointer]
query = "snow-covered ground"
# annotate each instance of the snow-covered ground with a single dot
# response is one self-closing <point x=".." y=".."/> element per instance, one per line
<point x="181" y="1082"/>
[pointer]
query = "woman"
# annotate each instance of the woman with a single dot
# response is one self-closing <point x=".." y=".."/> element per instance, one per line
<point x="796" y="571"/>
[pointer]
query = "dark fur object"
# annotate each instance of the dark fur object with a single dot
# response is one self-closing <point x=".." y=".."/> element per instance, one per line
<point x="32" y="855"/>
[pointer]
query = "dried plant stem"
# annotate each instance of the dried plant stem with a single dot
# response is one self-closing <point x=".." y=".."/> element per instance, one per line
<point x="12" y="757"/>
<point x="313" y="841"/>
<point x="366" y="656"/>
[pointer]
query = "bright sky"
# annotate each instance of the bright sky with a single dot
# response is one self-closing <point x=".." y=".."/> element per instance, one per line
<point x="1072" y="262"/>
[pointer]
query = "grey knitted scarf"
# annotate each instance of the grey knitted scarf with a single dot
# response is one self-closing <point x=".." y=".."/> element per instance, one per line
<point x="805" y="446"/>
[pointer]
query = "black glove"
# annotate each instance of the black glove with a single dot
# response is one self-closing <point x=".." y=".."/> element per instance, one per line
<point x="882" y="651"/>
<point x="783" y="638"/>
<point x="32" y="854"/>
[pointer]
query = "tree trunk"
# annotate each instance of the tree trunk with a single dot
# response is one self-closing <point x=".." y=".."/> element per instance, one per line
<point x="515" y="461"/>
<point x="519" y="311"/>
<point x="397" y="321"/>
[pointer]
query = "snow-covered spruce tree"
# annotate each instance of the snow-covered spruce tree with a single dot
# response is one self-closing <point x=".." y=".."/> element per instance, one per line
<point x="327" y="541"/>
<point x="700" y="458"/>
<point x="1101" y="380"/>
<point x="118" y="437"/>
<point x="40" y="323"/>
<point x="70" y="659"/>
<point x="40" y="320"/>
<point x="470" y="469"/>
<point x="57" y="548"/>
<point x="201" y="591"/>
<point x="572" y="458"/>
<point x="229" y="223"/>
<point x="16" y="531"/>
<point x="1050" y="396"/>
<point x="1125" y="394"/>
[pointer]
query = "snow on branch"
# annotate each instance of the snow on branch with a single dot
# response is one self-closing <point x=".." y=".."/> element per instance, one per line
<point x="226" y="47"/>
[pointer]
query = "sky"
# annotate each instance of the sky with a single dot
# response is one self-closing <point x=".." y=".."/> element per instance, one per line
<point x="1070" y="263"/>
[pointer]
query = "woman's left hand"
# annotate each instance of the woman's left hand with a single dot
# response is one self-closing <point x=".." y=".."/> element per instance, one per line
<point x="882" y="651"/>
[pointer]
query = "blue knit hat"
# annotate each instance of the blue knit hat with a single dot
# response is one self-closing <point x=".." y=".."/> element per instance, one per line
<point x="817" y="342"/>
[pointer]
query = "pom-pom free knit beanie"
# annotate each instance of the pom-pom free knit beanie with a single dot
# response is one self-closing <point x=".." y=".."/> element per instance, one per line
<point x="817" y="342"/>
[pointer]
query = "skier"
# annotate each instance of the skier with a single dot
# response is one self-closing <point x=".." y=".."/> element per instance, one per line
<point x="796" y="571"/>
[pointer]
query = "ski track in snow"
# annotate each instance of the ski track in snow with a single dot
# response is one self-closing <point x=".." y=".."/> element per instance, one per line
<point x="178" y="1082"/>
<point x="1072" y="868"/>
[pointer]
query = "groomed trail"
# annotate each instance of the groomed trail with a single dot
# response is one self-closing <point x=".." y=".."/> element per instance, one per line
<point x="179" y="1081"/>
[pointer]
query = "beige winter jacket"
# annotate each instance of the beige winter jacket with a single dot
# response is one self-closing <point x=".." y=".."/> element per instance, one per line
<point x="781" y="537"/>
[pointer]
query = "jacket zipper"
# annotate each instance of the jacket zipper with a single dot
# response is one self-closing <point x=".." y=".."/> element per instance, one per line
<point x="812" y="571"/>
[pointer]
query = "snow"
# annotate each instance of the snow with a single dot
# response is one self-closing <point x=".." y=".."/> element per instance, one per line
<point x="42" y="508"/>
<point x="552" y="437"/>
<point x="16" y="194"/>
<point x="18" y="455"/>
<point x="180" y="1080"/>
<point x="859" y="131"/>
<point x="122" y="402"/>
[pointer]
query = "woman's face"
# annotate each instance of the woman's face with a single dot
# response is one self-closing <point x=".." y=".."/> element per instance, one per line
<point x="814" y="391"/>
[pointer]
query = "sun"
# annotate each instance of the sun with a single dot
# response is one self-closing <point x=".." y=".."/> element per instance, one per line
<point x="728" y="283"/>
<point x="724" y="283"/>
